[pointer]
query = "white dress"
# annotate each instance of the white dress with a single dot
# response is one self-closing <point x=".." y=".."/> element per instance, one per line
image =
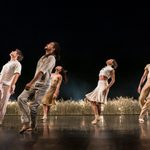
<point x="97" y="95"/>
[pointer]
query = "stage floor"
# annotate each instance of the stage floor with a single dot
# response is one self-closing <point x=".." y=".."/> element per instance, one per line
<point x="76" y="133"/>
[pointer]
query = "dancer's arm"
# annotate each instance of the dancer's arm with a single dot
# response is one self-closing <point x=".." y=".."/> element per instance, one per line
<point x="36" y="77"/>
<point x="143" y="78"/>
<point x="112" y="79"/>
<point x="13" y="83"/>
<point x="111" y="82"/>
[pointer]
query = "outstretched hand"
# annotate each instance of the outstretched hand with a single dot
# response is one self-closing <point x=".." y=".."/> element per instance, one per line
<point x="12" y="89"/>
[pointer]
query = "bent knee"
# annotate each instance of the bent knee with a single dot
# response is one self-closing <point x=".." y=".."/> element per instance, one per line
<point x="20" y="99"/>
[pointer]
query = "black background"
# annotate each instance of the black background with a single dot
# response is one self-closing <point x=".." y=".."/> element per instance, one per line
<point x="88" y="36"/>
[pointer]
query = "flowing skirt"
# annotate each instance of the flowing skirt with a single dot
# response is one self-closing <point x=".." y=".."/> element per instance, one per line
<point x="48" y="98"/>
<point x="97" y="95"/>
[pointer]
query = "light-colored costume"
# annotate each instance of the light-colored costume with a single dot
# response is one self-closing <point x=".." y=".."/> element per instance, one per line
<point x="145" y="95"/>
<point x="97" y="95"/>
<point x="6" y="77"/>
<point x="48" y="98"/>
<point x="28" y="114"/>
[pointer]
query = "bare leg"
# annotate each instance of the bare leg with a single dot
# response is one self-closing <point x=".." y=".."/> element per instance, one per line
<point x="25" y="127"/>
<point x="95" y="110"/>
<point x="47" y="110"/>
<point x="144" y="94"/>
<point x="99" y="108"/>
<point x="143" y="99"/>
<point x="44" y="111"/>
<point x="144" y="111"/>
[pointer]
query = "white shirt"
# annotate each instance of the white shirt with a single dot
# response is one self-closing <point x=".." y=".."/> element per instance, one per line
<point x="45" y="65"/>
<point x="106" y="71"/>
<point x="8" y="71"/>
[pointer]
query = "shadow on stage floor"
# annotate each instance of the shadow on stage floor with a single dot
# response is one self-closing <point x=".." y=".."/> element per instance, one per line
<point x="77" y="133"/>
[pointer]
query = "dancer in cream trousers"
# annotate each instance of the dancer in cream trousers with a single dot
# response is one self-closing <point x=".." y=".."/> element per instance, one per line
<point x="8" y="78"/>
<point x="37" y="86"/>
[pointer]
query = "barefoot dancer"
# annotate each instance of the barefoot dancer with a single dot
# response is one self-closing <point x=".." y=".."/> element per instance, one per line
<point x="38" y="85"/>
<point x="52" y="93"/>
<point x="99" y="95"/>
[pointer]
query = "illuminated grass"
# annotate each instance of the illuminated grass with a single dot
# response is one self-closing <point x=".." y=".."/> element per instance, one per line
<point x="119" y="105"/>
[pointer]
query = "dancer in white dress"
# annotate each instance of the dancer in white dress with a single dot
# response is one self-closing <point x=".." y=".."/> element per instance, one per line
<point x="99" y="95"/>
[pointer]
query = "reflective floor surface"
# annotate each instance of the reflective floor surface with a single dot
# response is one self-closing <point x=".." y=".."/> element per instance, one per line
<point x="77" y="133"/>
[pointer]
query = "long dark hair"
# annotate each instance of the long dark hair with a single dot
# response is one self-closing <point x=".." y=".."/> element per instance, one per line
<point x="20" y="54"/>
<point x="64" y="75"/>
<point x="115" y="65"/>
<point x="57" y="50"/>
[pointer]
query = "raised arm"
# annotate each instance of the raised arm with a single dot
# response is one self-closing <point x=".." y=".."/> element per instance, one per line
<point x="112" y="79"/>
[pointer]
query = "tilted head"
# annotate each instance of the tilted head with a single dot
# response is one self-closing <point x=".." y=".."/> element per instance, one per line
<point x="53" y="48"/>
<point x="112" y="62"/>
<point x="17" y="54"/>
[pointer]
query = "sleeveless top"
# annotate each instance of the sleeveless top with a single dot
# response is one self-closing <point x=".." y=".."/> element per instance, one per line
<point x="54" y="81"/>
<point x="106" y="71"/>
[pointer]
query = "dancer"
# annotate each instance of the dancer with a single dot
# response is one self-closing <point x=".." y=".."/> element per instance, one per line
<point x="144" y="92"/>
<point x="99" y="95"/>
<point x="38" y="86"/>
<point x="8" y="78"/>
<point x="52" y="93"/>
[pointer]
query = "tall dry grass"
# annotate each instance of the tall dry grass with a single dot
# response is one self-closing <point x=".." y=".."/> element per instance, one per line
<point x="119" y="105"/>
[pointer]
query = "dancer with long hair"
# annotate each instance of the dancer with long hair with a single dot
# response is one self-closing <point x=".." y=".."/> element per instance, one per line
<point x="52" y="93"/>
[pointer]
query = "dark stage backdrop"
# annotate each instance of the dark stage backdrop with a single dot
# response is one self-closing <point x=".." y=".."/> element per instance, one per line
<point x="88" y="36"/>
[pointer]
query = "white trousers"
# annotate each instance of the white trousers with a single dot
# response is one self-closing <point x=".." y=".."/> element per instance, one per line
<point x="4" y="97"/>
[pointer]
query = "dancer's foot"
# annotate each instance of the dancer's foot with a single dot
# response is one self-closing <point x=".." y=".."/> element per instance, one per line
<point x="98" y="118"/>
<point x="32" y="129"/>
<point x="94" y="121"/>
<point x="146" y="116"/>
<point x="141" y="120"/>
<point x="25" y="127"/>
<point x="43" y="118"/>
